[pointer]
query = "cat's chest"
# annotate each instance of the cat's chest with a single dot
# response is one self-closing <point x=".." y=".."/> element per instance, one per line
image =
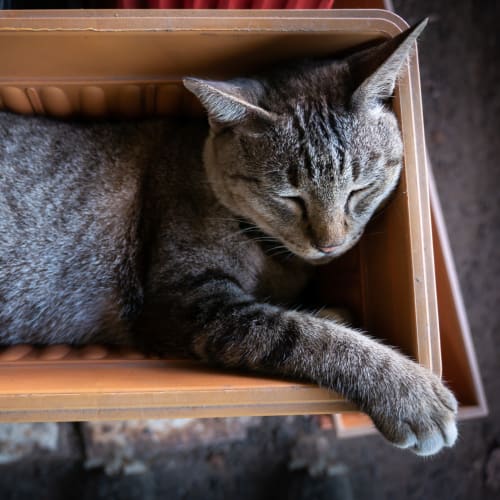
<point x="281" y="282"/>
<point x="277" y="275"/>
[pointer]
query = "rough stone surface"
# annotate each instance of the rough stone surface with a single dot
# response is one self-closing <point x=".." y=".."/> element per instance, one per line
<point x="20" y="440"/>
<point x="28" y="440"/>
<point x="493" y="470"/>
<point x="129" y="446"/>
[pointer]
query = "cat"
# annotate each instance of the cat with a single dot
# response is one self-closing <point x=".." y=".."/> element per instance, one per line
<point x="164" y="233"/>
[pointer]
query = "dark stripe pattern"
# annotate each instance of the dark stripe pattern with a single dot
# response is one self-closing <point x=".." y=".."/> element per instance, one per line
<point x="233" y="328"/>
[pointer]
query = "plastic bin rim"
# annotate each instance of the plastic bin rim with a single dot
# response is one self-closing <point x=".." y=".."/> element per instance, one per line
<point x="112" y="20"/>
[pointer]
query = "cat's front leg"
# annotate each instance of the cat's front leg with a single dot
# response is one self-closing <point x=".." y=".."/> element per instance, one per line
<point x="409" y="405"/>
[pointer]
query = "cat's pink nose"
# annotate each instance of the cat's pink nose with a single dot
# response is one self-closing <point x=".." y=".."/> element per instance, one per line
<point x="329" y="249"/>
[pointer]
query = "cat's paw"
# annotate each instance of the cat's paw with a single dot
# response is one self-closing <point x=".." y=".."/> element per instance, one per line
<point x="422" y="414"/>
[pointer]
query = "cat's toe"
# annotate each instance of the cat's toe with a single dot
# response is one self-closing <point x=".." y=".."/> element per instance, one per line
<point x="435" y="424"/>
<point x="405" y="437"/>
<point x="422" y="419"/>
<point x="432" y="440"/>
<point x="425" y="434"/>
<point x="446" y="398"/>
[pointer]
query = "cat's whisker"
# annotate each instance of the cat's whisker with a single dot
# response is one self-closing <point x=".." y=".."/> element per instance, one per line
<point x="263" y="238"/>
<point x="246" y="231"/>
<point x="278" y="250"/>
<point x="228" y="219"/>
<point x="278" y="247"/>
<point x="232" y="219"/>
<point x="235" y="234"/>
<point x="257" y="240"/>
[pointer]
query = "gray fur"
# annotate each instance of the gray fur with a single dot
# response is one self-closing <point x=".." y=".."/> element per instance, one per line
<point x="153" y="233"/>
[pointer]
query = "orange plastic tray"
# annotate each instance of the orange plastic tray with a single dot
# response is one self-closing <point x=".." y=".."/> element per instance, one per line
<point x="129" y="64"/>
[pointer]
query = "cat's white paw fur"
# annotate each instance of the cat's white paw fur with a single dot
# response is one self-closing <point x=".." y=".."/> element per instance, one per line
<point x="423" y="419"/>
<point x="429" y="439"/>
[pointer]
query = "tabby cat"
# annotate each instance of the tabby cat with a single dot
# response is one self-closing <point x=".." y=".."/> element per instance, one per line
<point x="168" y="233"/>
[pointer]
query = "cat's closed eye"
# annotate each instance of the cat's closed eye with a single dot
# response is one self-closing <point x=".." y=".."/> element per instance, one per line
<point x="356" y="196"/>
<point x="296" y="203"/>
<point x="393" y="163"/>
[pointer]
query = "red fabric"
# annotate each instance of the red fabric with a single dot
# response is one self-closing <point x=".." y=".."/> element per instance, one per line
<point x="224" y="4"/>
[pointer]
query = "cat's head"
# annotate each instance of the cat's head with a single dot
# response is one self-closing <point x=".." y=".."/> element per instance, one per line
<point x="308" y="152"/>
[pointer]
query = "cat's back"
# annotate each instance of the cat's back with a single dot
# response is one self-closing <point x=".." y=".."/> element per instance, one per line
<point x="59" y="178"/>
<point x="37" y="152"/>
<point x="70" y="201"/>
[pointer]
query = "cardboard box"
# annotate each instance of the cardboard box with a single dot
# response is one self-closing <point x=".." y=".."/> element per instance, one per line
<point x="129" y="64"/>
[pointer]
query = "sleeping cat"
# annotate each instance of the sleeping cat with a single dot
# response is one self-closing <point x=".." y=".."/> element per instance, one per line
<point x="169" y="234"/>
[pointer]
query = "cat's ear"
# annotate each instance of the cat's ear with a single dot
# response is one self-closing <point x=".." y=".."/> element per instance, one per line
<point x="231" y="102"/>
<point x="376" y="69"/>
